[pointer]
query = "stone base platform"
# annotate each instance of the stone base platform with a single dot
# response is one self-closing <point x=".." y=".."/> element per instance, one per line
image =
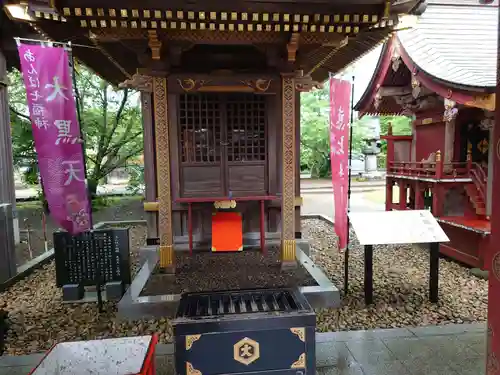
<point x="135" y="306"/>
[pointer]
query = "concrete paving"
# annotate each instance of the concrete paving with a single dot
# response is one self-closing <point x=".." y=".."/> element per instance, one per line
<point x="435" y="350"/>
<point x="322" y="203"/>
<point x="306" y="185"/>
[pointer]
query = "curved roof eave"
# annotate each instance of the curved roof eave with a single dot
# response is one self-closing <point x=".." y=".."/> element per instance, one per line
<point x="378" y="76"/>
<point x="445" y="90"/>
<point x="412" y="65"/>
<point x="456" y="44"/>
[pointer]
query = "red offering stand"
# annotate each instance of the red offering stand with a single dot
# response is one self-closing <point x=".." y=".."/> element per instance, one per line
<point x="120" y="356"/>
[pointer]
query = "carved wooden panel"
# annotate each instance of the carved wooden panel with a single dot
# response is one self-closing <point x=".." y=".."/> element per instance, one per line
<point x="247" y="178"/>
<point x="163" y="171"/>
<point x="201" y="181"/>
<point x="288" y="165"/>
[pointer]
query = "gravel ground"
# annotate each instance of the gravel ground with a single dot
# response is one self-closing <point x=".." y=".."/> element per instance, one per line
<point x="39" y="319"/>
<point x="400" y="282"/>
<point x="30" y="217"/>
<point x="244" y="270"/>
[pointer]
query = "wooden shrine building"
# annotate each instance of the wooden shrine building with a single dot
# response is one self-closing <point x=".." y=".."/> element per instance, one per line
<point x="443" y="74"/>
<point x="220" y="83"/>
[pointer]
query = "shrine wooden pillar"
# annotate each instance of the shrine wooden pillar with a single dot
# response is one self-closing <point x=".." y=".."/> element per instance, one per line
<point x="403" y="195"/>
<point x="150" y="183"/>
<point x="7" y="185"/>
<point x="492" y="258"/>
<point x="389" y="193"/>
<point x="163" y="179"/>
<point x="288" y="244"/>
<point x="298" y="198"/>
<point x="419" y="196"/>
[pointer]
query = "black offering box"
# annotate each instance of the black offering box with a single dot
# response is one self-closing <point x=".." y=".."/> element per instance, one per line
<point x="95" y="258"/>
<point x="243" y="331"/>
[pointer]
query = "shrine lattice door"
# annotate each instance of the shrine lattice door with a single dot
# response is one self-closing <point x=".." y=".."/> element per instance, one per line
<point x="223" y="146"/>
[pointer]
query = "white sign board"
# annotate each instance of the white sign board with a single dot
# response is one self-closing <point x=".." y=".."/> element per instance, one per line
<point x="396" y="227"/>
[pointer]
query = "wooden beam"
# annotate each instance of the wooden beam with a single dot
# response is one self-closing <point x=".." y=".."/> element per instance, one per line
<point x="293" y="46"/>
<point x="228" y="6"/>
<point x="155" y="44"/>
<point x="394" y="91"/>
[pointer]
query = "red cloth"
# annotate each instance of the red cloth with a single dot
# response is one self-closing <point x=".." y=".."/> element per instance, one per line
<point x="340" y="100"/>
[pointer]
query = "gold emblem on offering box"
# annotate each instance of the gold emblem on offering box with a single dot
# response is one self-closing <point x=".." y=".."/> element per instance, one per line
<point x="190" y="370"/>
<point x="300" y="363"/>
<point x="300" y="332"/>
<point x="246" y="351"/>
<point x="190" y="340"/>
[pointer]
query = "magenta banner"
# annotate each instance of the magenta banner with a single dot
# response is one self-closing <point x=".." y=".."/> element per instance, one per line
<point x="340" y="99"/>
<point x="49" y="89"/>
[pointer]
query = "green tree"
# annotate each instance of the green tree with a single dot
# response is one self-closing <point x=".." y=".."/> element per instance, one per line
<point x="110" y="120"/>
<point x="401" y="125"/>
<point x="315" y="133"/>
<point x="111" y="123"/>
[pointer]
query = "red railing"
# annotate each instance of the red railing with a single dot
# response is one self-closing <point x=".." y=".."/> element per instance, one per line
<point x="428" y="169"/>
<point x="480" y="179"/>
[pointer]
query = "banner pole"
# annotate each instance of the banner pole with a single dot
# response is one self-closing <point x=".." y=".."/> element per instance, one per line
<point x="346" y="255"/>
<point x="82" y="138"/>
<point x="95" y="248"/>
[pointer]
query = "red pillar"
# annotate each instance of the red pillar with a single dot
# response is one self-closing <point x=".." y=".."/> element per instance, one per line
<point x="390" y="149"/>
<point x="492" y="258"/>
<point x="403" y="195"/>
<point x="419" y="198"/>
<point x="389" y="191"/>
<point x="437" y="199"/>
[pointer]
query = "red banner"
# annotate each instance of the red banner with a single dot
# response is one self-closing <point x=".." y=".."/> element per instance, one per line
<point x="340" y="104"/>
<point x="56" y="132"/>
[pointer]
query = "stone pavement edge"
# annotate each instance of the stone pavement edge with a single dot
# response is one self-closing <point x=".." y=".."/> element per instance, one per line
<point x="455" y="349"/>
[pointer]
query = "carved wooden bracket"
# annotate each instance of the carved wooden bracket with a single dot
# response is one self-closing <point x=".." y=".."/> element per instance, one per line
<point x="415" y="84"/>
<point x="396" y="59"/>
<point x="410" y="105"/>
<point x="189" y="84"/>
<point x="258" y="85"/>
<point x="487" y="124"/>
<point x="155" y="44"/>
<point x="450" y="112"/>
<point x="378" y="99"/>
<point x="138" y="82"/>
<point x="305" y="83"/>
<point x="225" y="83"/>
<point x="293" y="46"/>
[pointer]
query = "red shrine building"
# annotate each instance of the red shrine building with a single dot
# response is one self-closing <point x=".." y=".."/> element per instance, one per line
<point x="442" y="73"/>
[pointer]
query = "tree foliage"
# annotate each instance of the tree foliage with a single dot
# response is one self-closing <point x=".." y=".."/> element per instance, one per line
<point x="315" y="138"/>
<point x="110" y="121"/>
